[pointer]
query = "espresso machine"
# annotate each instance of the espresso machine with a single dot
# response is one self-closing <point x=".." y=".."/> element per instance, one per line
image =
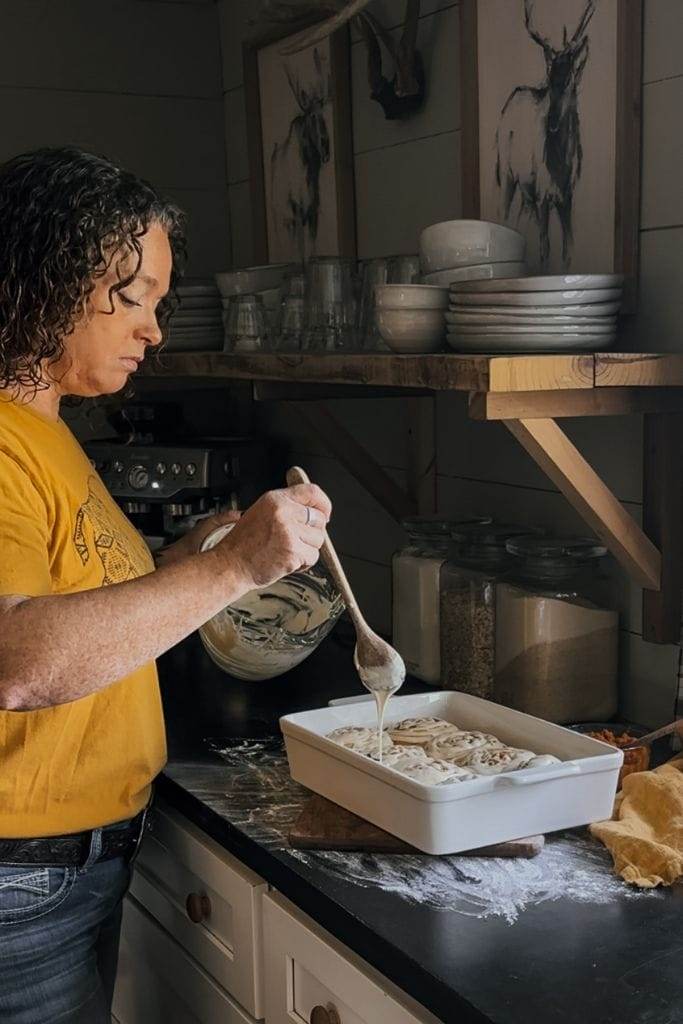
<point x="165" y="487"/>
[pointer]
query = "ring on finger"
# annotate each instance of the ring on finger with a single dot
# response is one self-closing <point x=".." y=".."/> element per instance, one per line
<point x="309" y="515"/>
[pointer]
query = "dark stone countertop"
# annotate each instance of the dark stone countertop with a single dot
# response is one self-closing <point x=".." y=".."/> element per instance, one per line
<point x="554" y="940"/>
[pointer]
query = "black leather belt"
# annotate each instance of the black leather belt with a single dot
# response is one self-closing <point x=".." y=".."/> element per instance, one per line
<point x="73" y="850"/>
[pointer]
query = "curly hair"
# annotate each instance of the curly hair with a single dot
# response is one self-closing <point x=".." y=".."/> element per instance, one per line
<point x="65" y="215"/>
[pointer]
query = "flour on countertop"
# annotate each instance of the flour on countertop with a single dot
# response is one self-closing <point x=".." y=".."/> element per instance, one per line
<point x="264" y="801"/>
<point x="569" y="867"/>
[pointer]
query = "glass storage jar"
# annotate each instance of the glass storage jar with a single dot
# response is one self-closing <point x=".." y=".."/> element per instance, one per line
<point x="477" y="558"/>
<point x="556" y="634"/>
<point x="415" y="575"/>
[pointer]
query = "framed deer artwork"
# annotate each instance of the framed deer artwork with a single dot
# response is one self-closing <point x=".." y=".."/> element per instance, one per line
<point x="298" y="106"/>
<point x="551" y="128"/>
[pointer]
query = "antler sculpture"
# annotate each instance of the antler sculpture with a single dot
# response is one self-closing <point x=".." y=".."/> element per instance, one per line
<point x="399" y="96"/>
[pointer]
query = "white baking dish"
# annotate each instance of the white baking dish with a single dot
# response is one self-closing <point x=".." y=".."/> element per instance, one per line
<point x="463" y="815"/>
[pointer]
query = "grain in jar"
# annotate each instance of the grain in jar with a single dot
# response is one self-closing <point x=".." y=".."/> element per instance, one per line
<point x="415" y="572"/>
<point x="477" y="558"/>
<point x="556" y="634"/>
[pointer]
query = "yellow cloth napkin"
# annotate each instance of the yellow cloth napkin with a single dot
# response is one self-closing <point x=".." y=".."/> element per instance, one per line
<point x="645" y="835"/>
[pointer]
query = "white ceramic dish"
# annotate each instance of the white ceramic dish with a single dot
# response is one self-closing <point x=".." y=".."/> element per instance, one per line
<point x="589" y="309"/>
<point x="410" y="296"/>
<point x="412" y="330"/>
<point x="547" y="283"/>
<point x="480" y="271"/>
<point x="524" y="329"/>
<point x="465" y="815"/>
<point x="503" y="318"/>
<point x="545" y="299"/>
<point x="528" y="343"/>
<point x="461" y="243"/>
<point x="252" y="279"/>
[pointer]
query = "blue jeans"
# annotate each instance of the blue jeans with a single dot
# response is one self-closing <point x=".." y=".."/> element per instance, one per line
<point x="59" y="940"/>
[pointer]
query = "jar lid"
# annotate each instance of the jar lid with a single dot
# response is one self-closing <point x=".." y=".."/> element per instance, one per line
<point x="575" y="549"/>
<point x="438" y="526"/>
<point x="487" y="534"/>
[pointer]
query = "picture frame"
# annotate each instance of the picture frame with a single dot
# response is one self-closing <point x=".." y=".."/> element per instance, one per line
<point x="552" y="107"/>
<point x="300" y="145"/>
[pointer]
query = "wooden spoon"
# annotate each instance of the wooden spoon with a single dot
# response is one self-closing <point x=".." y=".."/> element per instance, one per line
<point x="380" y="667"/>
<point x="650" y="737"/>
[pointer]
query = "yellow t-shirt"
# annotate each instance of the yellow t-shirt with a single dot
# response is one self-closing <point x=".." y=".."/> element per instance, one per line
<point x="89" y="762"/>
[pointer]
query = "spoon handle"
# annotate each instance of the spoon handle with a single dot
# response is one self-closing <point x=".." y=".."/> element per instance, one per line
<point x="296" y="475"/>
<point x="650" y="737"/>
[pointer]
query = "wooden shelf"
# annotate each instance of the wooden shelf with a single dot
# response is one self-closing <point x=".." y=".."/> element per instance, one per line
<point x="441" y="372"/>
<point x="527" y="393"/>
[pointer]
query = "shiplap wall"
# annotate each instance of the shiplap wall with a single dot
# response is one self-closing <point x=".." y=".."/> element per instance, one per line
<point x="407" y="176"/>
<point x="137" y="80"/>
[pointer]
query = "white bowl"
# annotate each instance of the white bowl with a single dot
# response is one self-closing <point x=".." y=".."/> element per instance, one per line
<point x="478" y="272"/>
<point x="462" y="243"/>
<point x="410" y="296"/>
<point x="412" y="330"/>
<point x="251" y="279"/>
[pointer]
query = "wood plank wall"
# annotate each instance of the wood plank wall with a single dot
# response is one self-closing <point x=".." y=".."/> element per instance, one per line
<point x="407" y="176"/>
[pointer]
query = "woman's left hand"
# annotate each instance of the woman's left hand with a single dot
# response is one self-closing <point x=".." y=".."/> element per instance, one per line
<point x="191" y="542"/>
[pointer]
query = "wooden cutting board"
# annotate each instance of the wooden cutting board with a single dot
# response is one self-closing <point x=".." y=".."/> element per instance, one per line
<point x="323" y="825"/>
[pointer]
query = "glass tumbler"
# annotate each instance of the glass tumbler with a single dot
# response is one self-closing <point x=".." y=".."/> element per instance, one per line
<point x="246" y="329"/>
<point x="330" y="313"/>
<point x="403" y="269"/>
<point x="374" y="272"/>
<point x="291" y="328"/>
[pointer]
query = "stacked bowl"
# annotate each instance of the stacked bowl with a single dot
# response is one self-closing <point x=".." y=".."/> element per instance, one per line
<point x="410" y="317"/>
<point x="467" y="250"/>
<point x="196" y="325"/>
<point x="534" y="314"/>
<point x="265" y="281"/>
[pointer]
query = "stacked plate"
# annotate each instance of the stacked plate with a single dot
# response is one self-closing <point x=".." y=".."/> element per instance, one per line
<point x="197" y="324"/>
<point x="534" y="314"/>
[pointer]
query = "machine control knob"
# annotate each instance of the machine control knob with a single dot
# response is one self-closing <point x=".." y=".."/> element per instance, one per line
<point x="138" y="478"/>
<point x="191" y="469"/>
<point x="118" y="467"/>
<point x="161" y="468"/>
<point x="176" y="469"/>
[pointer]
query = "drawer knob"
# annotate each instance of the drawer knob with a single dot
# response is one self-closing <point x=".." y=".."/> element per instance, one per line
<point x="198" y="907"/>
<point x="325" y="1015"/>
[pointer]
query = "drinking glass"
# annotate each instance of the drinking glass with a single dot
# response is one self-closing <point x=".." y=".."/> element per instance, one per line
<point x="330" y="307"/>
<point x="290" y="333"/>
<point x="403" y="269"/>
<point x="246" y="329"/>
<point x="374" y="272"/>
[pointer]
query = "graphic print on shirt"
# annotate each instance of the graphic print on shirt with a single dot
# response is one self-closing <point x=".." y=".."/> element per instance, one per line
<point x="123" y="556"/>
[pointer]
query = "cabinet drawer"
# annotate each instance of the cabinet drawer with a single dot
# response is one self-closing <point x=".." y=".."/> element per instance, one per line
<point x="177" y="861"/>
<point x="158" y="983"/>
<point x="306" y="967"/>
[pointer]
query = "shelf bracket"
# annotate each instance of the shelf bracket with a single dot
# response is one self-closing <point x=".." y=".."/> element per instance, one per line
<point x="562" y="462"/>
<point x="663" y="523"/>
<point x="357" y="460"/>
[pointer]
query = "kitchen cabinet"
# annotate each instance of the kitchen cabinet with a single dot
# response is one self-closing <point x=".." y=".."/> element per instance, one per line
<point x="246" y="953"/>
<point x="196" y="895"/>
<point x="159" y="983"/>
<point x="312" y="977"/>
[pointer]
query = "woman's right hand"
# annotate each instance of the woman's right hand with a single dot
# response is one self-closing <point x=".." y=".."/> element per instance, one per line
<point x="273" y="538"/>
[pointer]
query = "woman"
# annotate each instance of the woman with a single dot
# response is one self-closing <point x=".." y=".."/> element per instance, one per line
<point x="89" y="255"/>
